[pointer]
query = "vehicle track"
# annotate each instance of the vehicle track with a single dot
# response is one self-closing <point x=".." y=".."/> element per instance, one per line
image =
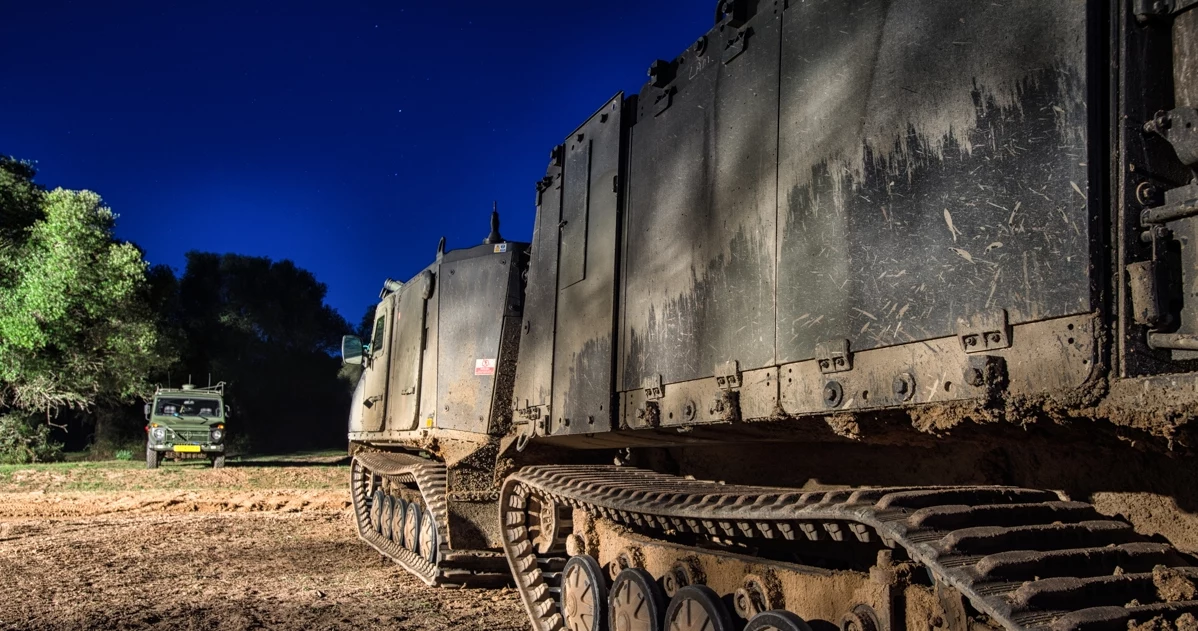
<point x="394" y="497"/>
<point x="1028" y="559"/>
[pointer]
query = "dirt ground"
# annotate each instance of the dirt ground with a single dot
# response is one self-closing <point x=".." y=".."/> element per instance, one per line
<point x="263" y="545"/>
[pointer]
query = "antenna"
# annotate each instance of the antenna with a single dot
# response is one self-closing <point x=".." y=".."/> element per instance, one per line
<point x="209" y="380"/>
<point x="494" y="237"/>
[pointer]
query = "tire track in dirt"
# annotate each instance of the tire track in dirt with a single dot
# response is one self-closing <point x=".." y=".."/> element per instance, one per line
<point x="213" y="558"/>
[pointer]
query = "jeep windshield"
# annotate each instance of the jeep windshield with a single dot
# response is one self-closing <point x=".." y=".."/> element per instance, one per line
<point x="188" y="406"/>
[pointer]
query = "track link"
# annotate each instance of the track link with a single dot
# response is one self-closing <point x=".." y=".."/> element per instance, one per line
<point x="1026" y="558"/>
<point x="424" y="484"/>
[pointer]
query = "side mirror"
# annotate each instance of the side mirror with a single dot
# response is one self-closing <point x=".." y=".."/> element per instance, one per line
<point x="351" y="350"/>
<point x="228" y="411"/>
<point x="147" y="411"/>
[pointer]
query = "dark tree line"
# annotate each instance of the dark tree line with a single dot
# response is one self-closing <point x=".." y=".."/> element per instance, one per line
<point x="263" y="328"/>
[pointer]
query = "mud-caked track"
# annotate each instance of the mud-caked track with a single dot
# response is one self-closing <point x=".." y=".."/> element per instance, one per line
<point x="400" y="507"/>
<point x="1009" y="557"/>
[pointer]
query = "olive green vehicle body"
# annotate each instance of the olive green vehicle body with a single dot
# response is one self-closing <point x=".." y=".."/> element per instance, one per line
<point x="186" y="422"/>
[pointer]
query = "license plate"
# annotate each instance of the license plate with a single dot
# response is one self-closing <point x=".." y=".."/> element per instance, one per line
<point x="188" y="449"/>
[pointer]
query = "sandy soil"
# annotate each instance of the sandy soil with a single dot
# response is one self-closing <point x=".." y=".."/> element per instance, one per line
<point x="214" y="556"/>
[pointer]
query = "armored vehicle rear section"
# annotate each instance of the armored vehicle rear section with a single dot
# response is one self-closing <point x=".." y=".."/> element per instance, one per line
<point x="430" y="409"/>
<point x="839" y="290"/>
<point x="811" y="323"/>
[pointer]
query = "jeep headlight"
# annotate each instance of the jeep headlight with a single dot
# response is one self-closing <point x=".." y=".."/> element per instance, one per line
<point x="217" y="435"/>
<point x="158" y="434"/>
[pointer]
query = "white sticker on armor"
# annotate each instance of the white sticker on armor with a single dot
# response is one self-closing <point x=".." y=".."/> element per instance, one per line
<point x="500" y="247"/>
<point x="484" y="366"/>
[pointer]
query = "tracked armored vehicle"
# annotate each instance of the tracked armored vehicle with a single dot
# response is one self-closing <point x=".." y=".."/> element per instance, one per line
<point x="868" y="316"/>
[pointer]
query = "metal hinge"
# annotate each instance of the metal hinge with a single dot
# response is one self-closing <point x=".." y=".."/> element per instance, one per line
<point x="662" y="73"/>
<point x="1179" y="126"/>
<point x="834" y="356"/>
<point x="986" y="331"/>
<point x="664" y="100"/>
<point x="736" y="45"/>
<point x="727" y="375"/>
<point x="653" y="388"/>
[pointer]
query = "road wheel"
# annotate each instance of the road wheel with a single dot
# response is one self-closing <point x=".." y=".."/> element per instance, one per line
<point x="777" y="621"/>
<point x="636" y="602"/>
<point x="428" y="538"/>
<point x="376" y="511"/>
<point x="695" y="608"/>
<point x="218" y="461"/>
<point x="385" y="516"/>
<point x="411" y="528"/>
<point x="584" y="594"/>
<point x="153" y="458"/>
<point x="398" y="515"/>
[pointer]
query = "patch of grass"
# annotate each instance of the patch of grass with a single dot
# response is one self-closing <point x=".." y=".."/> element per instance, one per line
<point x="307" y="471"/>
<point x="111" y="450"/>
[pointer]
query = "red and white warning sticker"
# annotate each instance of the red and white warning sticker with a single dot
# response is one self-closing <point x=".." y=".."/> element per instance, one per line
<point x="484" y="366"/>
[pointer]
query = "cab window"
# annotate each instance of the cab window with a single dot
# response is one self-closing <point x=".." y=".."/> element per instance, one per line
<point x="182" y="406"/>
<point x="376" y="340"/>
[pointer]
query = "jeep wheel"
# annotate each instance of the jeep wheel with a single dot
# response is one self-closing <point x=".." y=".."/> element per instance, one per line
<point x="218" y="461"/>
<point x="153" y="458"/>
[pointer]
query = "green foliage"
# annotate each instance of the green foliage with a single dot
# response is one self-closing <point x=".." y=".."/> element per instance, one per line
<point x="23" y="442"/>
<point x="20" y="207"/>
<point x="77" y="327"/>
<point x="123" y="454"/>
<point x="74" y="323"/>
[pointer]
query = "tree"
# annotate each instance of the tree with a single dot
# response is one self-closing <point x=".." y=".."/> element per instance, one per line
<point x="75" y="325"/>
<point x="366" y="324"/>
<point x="20" y="207"/>
<point x="72" y="325"/>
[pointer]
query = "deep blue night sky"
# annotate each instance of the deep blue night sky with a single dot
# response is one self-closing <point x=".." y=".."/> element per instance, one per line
<point x="347" y="137"/>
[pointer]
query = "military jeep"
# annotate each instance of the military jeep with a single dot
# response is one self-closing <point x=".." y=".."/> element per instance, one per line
<point x="186" y="422"/>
